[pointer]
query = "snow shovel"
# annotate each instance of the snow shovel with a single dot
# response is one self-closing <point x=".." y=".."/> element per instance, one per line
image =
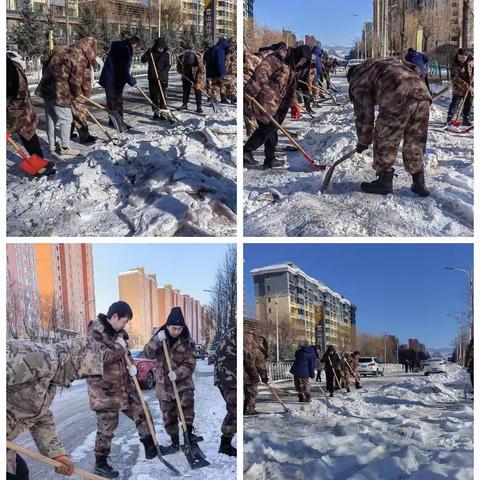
<point x="195" y="457"/>
<point x="114" y="117"/>
<point x="287" y="410"/>
<point x="213" y="102"/>
<point x="165" y="113"/>
<point x="50" y="461"/>
<point x="440" y="93"/>
<point x="329" y="174"/>
<point x="304" y="110"/>
<point x="90" y="114"/>
<point x="33" y="164"/>
<point x="356" y="376"/>
<point x="315" y="165"/>
<point x="457" y="122"/>
<point x="149" y="421"/>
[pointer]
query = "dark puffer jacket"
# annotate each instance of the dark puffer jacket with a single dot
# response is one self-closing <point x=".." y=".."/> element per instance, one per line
<point x="162" y="58"/>
<point x="116" y="71"/>
<point x="215" y="58"/>
<point x="305" y="362"/>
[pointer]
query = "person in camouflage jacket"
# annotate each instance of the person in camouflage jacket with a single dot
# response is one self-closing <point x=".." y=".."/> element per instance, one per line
<point x="250" y="62"/>
<point x="115" y="391"/>
<point x="255" y="353"/>
<point x="397" y="87"/>
<point x="349" y="365"/>
<point x="34" y="371"/>
<point x="461" y="73"/>
<point x="181" y="349"/>
<point x="333" y="371"/>
<point x="230" y="79"/>
<point x="191" y="67"/>
<point x="225" y="378"/>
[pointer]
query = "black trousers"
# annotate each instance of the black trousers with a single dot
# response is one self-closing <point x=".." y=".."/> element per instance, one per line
<point x="187" y="88"/>
<point x="155" y="94"/>
<point x="114" y="101"/>
<point x="330" y="380"/>
<point x="32" y="146"/>
<point x="266" y="134"/>
<point x="455" y="105"/>
<point x="22" y="470"/>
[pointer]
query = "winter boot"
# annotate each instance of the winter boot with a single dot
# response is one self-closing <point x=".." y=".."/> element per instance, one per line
<point x="418" y="184"/>
<point x="348" y="389"/>
<point x="273" y="163"/>
<point x="223" y="98"/>
<point x="300" y="397"/>
<point x="226" y="447"/>
<point x="357" y="385"/>
<point x="156" y="116"/>
<point x="150" y="449"/>
<point x="233" y="99"/>
<point x="308" y="397"/>
<point x="199" y="109"/>
<point x="169" y="449"/>
<point x="88" y="140"/>
<point x="382" y="186"/>
<point x="193" y="436"/>
<point x="184" y="106"/>
<point x="466" y="122"/>
<point x="248" y="160"/>
<point x="103" y="469"/>
<point x="331" y="394"/>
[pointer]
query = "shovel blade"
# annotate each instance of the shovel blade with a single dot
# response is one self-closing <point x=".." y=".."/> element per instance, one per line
<point x="194" y="455"/>
<point x="117" y="121"/>
<point x="37" y="161"/>
<point x="29" y="168"/>
<point x="167" y="464"/>
<point x="327" y="179"/>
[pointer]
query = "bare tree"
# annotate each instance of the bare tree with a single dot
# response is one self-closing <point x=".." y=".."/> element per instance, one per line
<point x="208" y="326"/>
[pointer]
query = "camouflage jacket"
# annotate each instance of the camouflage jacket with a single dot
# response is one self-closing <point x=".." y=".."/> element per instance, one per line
<point x="34" y="371"/>
<point x="388" y="82"/>
<point x="65" y="77"/>
<point x="349" y="361"/>
<point x="182" y="356"/>
<point x="21" y="116"/>
<point x="113" y="391"/>
<point x="250" y="62"/>
<point x="254" y="359"/>
<point x="225" y="374"/>
<point x="197" y="73"/>
<point x="332" y="362"/>
<point x="231" y="60"/>
<point x="462" y="76"/>
<point x="273" y="85"/>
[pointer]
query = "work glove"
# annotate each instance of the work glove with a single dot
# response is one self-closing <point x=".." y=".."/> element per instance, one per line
<point x="68" y="466"/>
<point x="296" y="112"/>
<point x="121" y="342"/>
<point x="361" y="147"/>
<point x="161" y="336"/>
<point x="133" y="82"/>
<point x="319" y="376"/>
<point x="172" y="376"/>
<point x="132" y="370"/>
<point x="265" y="379"/>
<point x="198" y="86"/>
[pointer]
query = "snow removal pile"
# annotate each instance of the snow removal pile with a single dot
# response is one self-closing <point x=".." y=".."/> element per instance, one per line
<point x="171" y="181"/>
<point x="418" y="428"/>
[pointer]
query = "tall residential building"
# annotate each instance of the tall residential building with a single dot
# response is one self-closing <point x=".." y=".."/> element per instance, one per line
<point x="220" y="19"/>
<point x="193" y="14"/>
<point x="414" y="344"/>
<point x="312" y="311"/>
<point x="248" y="9"/>
<point x="367" y="40"/>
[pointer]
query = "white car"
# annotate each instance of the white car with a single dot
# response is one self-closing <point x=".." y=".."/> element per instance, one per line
<point x="434" y="365"/>
<point x="370" y="366"/>
<point x="354" y="61"/>
<point x="16" y="57"/>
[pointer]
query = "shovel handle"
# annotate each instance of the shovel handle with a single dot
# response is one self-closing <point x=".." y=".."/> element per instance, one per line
<point x="334" y="373"/>
<point x="146" y="96"/>
<point x="277" y="397"/>
<point x="203" y="91"/>
<point x="93" y="102"/>
<point x="17" y="148"/>
<point x="49" y="461"/>
<point x="158" y="80"/>
<point x="90" y="114"/>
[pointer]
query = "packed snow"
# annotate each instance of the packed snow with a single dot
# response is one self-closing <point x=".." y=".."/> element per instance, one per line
<point x="158" y="179"/>
<point x="288" y="202"/>
<point x="406" y="426"/>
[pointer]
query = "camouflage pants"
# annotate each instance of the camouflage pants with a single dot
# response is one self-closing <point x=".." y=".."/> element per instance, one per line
<point x="346" y="378"/>
<point x="409" y="123"/>
<point x="250" y="125"/>
<point x="114" y="101"/>
<point x="107" y="423"/>
<point x="302" y="385"/>
<point x="170" y="414"/>
<point x="216" y="88"/>
<point x="230" y="82"/>
<point x="250" y="394"/>
<point x="229" y="425"/>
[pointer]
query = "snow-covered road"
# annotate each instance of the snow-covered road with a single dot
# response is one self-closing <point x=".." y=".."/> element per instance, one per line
<point x="156" y="180"/>
<point x="77" y="428"/>
<point x="288" y="202"/>
<point x="406" y="426"/>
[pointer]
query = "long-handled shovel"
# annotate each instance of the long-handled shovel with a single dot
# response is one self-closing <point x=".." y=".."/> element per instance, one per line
<point x="288" y="135"/>
<point x="213" y="102"/>
<point x="457" y="122"/>
<point x="329" y="174"/>
<point x="33" y="164"/>
<point x="304" y="110"/>
<point x="114" y="117"/>
<point x="50" y="461"/>
<point x="278" y="398"/>
<point x="357" y="378"/>
<point x="440" y="93"/>
<point x="90" y="114"/>
<point x="165" y="113"/>
<point x="150" y="423"/>
<point x="196" y="458"/>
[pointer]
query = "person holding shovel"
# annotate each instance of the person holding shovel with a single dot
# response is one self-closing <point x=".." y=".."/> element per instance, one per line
<point x="349" y="365"/>
<point x="191" y="67"/>
<point x="302" y="369"/>
<point x="34" y="371"/>
<point x="181" y="348"/>
<point x="332" y="368"/>
<point x="461" y="73"/>
<point x="255" y="354"/>
<point x="115" y="391"/>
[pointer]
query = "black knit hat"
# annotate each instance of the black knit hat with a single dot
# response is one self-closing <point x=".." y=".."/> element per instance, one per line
<point x="175" y="318"/>
<point x="462" y="51"/>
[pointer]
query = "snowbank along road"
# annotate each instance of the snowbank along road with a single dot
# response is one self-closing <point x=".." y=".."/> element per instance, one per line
<point x="288" y="202"/>
<point x="76" y="426"/>
<point x="156" y="180"/>
<point x="406" y="427"/>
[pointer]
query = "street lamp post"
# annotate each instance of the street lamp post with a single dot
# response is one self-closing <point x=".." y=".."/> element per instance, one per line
<point x="277" y="295"/>
<point x="159" y="16"/>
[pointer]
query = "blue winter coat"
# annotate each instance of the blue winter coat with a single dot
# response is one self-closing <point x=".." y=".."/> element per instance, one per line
<point x="318" y="52"/>
<point x="419" y="59"/>
<point x="116" y="71"/>
<point x="305" y="362"/>
<point x="215" y="59"/>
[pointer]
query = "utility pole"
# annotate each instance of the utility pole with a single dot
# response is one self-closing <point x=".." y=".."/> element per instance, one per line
<point x="159" y="16"/>
<point x="465" y="15"/>
<point x="67" y="21"/>
<point x="385" y="348"/>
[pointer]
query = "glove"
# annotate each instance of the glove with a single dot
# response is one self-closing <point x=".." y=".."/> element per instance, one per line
<point x="68" y="466"/>
<point x="361" y="147"/>
<point x="319" y="377"/>
<point x="172" y="376"/>
<point x="132" y="370"/>
<point x="161" y="336"/>
<point x="198" y="86"/>
<point x="121" y="342"/>
<point x="296" y="112"/>
<point x="134" y="82"/>
<point x="265" y="379"/>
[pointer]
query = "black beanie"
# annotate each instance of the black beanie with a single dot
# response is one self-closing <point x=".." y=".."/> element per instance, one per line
<point x="175" y="318"/>
<point x="302" y="52"/>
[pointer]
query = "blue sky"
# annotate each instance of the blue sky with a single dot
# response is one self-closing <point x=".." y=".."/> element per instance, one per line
<point x="188" y="267"/>
<point x="402" y="289"/>
<point x="331" y="21"/>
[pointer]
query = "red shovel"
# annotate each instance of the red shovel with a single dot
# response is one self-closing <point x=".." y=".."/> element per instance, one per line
<point x="34" y="164"/>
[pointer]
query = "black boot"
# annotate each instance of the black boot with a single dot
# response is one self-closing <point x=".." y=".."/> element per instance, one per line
<point x="357" y="385"/>
<point x="308" y="397"/>
<point x="382" y="186"/>
<point x="172" y="448"/>
<point x="193" y="436"/>
<point x="331" y="393"/>
<point x="300" y="397"/>
<point x="150" y="449"/>
<point x="273" y="163"/>
<point x="184" y="106"/>
<point x="348" y="389"/>
<point x="248" y="160"/>
<point x="103" y="469"/>
<point x="88" y="140"/>
<point x="223" y="98"/>
<point x="418" y="184"/>
<point x="466" y="122"/>
<point x="199" y="109"/>
<point x="226" y="447"/>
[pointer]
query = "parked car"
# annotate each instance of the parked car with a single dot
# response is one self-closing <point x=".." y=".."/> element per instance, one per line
<point x="16" y="57"/>
<point x="434" y="365"/>
<point x="212" y="355"/>
<point x="146" y="369"/>
<point x="200" y="351"/>
<point x="353" y="62"/>
<point x="370" y="366"/>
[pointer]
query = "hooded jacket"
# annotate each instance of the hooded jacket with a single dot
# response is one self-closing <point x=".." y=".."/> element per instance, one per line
<point x="305" y="362"/>
<point x="67" y="75"/>
<point x="34" y="370"/>
<point x="318" y="52"/>
<point x="195" y="72"/>
<point x="419" y="59"/>
<point x="116" y="70"/>
<point x="331" y="360"/>
<point x="461" y="75"/>
<point x="254" y="359"/>
<point x="215" y="59"/>
<point x="162" y="59"/>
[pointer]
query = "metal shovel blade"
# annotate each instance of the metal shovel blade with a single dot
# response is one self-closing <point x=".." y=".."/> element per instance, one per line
<point x="117" y="121"/>
<point x="194" y="455"/>
<point x="167" y="464"/>
<point x="329" y="174"/>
